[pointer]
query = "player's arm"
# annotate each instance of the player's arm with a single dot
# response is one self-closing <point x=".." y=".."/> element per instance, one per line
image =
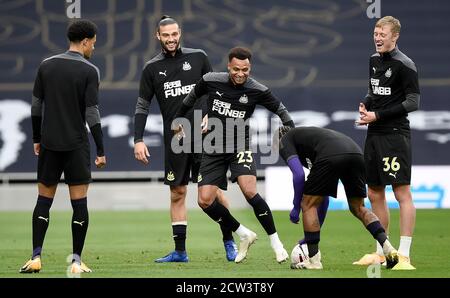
<point x="288" y="152"/>
<point x="197" y="92"/>
<point x="410" y="85"/>
<point x="298" y="181"/>
<point x="36" y="112"/>
<point x="277" y="107"/>
<point x="142" y="110"/>
<point x="93" y="116"/>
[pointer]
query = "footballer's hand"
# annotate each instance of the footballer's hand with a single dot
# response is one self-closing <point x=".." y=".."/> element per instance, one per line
<point x="37" y="148"/>
<point x="204" y="125"/>
<point x="141" y="152"/>
<point x="294" y="216"/>
<point x="179" y="132"/>
<point x="362" y="108"/>
<point x="365" y="117"/>
<point x="100" y="162"/>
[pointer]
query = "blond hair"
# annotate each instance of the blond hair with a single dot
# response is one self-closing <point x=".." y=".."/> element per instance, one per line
<point x="390" y="20"/>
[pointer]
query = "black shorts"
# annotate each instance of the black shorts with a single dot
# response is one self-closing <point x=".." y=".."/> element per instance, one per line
<point x="324" y="176"/>
<point x="388" y="159"/>
<point x="179" y="168"/>
<point x="75" y="164"/>
<point x="213" y="169"/>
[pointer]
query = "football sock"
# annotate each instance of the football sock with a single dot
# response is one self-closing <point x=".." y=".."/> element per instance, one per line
<point x="405" y="245"/>
<point x="242" y="231"/>
<point x="220" y="214"/>
<point x="379" y="249"/>
<point x="312" y="240"/>
<point x="41" y="218"/>
<point x="227" y="234"/>
<point x="376" y="229"/>
<point x="80" y="222"/>
<point x="275" y="241"/>
<point x="263" y="214"/>
<point x="179" y="235"/>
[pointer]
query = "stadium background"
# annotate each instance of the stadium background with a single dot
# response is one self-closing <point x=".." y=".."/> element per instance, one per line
<point x="312" y="54"/>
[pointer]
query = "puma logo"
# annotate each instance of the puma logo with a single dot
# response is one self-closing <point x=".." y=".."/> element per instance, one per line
<point x="163" y="73"/>
<point x="263" y="214"/>
<point x="43" y="218"/>
<point x="219" y="220"/>
<point x="218" y="93"/>
<point x="248" y="166"/>
<point x="374" y="69"/>
<point x="393" y="175"/>
<point x="78" y="222"/>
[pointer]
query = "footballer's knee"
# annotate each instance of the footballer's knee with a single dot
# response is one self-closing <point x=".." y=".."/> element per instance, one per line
<point x="204" y="202"/>
<point x="178" y="193"/>
<point x="249" y="193"/>
<point x="309" y="202"/>
<point x="376" y="193"/>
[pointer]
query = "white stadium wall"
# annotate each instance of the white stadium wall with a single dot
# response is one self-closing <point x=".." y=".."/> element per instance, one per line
<point x="430" y="188"/>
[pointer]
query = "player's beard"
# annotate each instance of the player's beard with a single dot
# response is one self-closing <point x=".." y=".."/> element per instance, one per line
<point x="164" y="47"/>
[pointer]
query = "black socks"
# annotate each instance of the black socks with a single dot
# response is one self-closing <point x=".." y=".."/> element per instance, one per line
<point x="80" y="222"/>
<point x="179" y="236"/>
<point x="222" y="216"/>
<point x="41" y="220"/>
<point x="263" y="214"/>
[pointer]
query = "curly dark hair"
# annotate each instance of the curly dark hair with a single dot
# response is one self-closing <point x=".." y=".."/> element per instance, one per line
<point x="81" y="29"/>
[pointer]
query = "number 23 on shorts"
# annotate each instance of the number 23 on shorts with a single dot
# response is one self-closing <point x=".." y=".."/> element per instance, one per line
<point x="245" y="156"/>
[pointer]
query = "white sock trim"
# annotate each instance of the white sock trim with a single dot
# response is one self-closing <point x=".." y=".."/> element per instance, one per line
<point x="177" y="223"/>
<point x="275" y="241"/>
<point x="242" y="231"/>
<point x="379" y="249"/>
<point x="405" y="245"/>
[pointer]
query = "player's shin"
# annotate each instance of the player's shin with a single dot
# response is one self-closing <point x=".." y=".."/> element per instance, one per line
<point x="41" y="219"/>
<point x="80" y="222"/>
<point x="222" y="216"/>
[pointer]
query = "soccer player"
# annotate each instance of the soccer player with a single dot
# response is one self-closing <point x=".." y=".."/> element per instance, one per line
<point x="65" y="97"/>
<point x="298" y="182"/>
<point x="169" y="76"/>
<point x="330" y="156"/>
<point x="232" y="98"/>
<point x="393" y="93"/>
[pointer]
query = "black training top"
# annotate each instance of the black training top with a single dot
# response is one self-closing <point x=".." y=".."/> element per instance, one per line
<point x="232" y="105"/>
<point x="66" y="86"/>
<point x="393" y="91"/>
<point x="170" y="79"/>
<point x="312" y="144"/>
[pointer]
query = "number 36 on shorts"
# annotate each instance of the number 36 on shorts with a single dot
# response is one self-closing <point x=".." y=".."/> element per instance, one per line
<point x="391" y="164"/>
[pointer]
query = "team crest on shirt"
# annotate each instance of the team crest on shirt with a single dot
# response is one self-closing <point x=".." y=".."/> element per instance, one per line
<point x="243" y="99"/>
<point x="309" y="163"/>
<point x="170" y="176"/>
<point x="388" y="73"/>
<point x="186" y="66"/>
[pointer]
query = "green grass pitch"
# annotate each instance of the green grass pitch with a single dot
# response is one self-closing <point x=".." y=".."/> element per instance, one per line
<point x="125" y="243"/>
